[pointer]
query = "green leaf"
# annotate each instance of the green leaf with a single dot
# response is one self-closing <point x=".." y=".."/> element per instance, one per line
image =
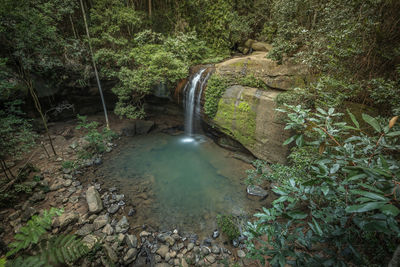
<point x="369" y="195"/>
<point x="317" y="228"/>
<point x="353" y="118"/>
<point x="372" y="121"/>
<point x="300" y="141"/>
<point x="297" y="215"/>
<point x="390" y="210"/>
<point x="365" y="207"/>
<point x="289" y="140"/>
<point x="325" y="189"/>
<point x="393" y="134"/>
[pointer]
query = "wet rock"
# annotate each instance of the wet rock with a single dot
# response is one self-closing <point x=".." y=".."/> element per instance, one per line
<point x="205" y="251"/>
<point x="98" y="161"/>
<point x="93" y="199"/>
<point x="112" y="255"/>
<point x="130" y="255"/>
<point x="143" y="127"/>
<point x="144" y="234"/>
<point x="108" y="229"/>
<point x="90" y="241"/>
<point x="162" y="251"/>
<point x="121" y="203"/>
<point x="215" y="234"/>
<point x="157" y="258"/>
<point x="113" y="208"/>
<point x="207" y="242"/>
<point x="118" y="197"/>
<point x="241" y="253"/>
<point x="235" y="243"/>
<point x="68" y="218"/>
<point x="112" y="189"/>
<point x="131" y="241"/>
<point x="100" y="221"/>
<point x="244" y="157"/>
<point x="255" y="190"/>
<point x="129" y="130"/>
<point x="85" y="230"/>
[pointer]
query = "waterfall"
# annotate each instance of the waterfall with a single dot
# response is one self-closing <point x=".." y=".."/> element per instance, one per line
<point x="192" y="104"/>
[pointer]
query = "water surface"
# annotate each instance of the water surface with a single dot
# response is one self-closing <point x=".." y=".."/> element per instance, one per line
<point x="178" y="181"/>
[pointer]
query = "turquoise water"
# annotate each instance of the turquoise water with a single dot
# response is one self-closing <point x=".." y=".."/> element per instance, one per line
<point x="179" y="182"/>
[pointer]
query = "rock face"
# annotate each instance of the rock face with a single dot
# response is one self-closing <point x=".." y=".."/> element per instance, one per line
<point x="248" y="115"/>
<point x="284" y="77"/>
<point x="93" y="199"/>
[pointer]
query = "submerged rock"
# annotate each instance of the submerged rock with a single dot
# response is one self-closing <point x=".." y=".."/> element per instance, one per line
<point x="255" y="190"/>
<point x="144" y="127"/>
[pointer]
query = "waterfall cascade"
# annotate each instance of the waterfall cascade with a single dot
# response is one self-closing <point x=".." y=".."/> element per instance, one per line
<point x="192" y="101"/>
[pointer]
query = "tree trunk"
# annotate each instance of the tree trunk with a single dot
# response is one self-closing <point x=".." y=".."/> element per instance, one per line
<point x="149" y="8"/>
<point x="4" y="170"/>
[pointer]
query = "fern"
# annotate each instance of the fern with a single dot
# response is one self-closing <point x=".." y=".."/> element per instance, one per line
<point x="63" y="249"/>
<point x="33" y="230"/>
<point x="3" y="262"/>
<point x="32" y="261"/>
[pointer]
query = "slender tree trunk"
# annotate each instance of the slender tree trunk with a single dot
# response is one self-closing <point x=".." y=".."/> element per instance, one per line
<point x="73" y="27"/>
<point x="4" y="170"/>
<point x="149" y="1"/>
<point x="94" y="66"/>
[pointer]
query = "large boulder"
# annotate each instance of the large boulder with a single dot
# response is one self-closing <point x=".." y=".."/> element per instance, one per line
<point x="248" y="115"/>
<point x="278" y="76"/>
<point x="261" y="46"/>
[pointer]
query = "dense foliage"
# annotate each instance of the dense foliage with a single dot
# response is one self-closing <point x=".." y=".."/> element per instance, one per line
<point x="340" y="203"/>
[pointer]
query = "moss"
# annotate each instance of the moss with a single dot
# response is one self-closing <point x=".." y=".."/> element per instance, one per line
<point x="237" y="120"/>
<point x="216" y="87"/>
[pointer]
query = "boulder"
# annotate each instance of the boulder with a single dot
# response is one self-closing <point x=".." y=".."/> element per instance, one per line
<point x="255" y="190"/>
<point x="261" y="46"/>
<point x="248" y="115"/>
<point x="93" y="200"/>
<point x="144" y="127"/>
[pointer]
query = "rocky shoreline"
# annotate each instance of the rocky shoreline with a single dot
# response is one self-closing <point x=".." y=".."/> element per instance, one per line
<point x="101" y="218"/>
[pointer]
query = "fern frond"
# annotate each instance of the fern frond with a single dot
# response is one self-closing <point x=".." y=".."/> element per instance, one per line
<point x="33" y="231"/>
<point x="32" y="261"/>
<point x="63" y="249"/>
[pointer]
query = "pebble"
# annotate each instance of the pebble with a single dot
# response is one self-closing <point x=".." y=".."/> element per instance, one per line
<point x="113" y="208"/>
<point x="241" y="253"/>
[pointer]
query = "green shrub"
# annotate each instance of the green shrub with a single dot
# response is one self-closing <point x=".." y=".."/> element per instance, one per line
<point x="227" y="225"/>
<point x="216" y="87"/>
<point x="337" y="199"/>
<point x="68" y="164"/>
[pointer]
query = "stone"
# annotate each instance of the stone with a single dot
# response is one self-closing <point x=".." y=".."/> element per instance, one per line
<point x="85" y="230"/>
<point x="130" y="255"/>
<point x="176" y="262"/>
<point x="113" y="208"/>
<point x="57" y="184"/>
<point x="100" y="221"/>
<point x="169" y="240"/>
<point x="122" y="225"/>
<point x="67" y="182"/>
<point x="118" y="197"/>
<point x="215" y="249"/>
<point x="131" y="241"/>
<point x="129" y="130"/>
<point x="144" y="234"/>
<point x="13" y="216"/>
<point x="38" y="196"/>
<point x="68" y="218"/>
<point x="163" y="264"/>
<point x="244" y="157"/>
<point x="143" y="127"/>
<point x="205" y="251"/>
<point x="172" y="254"/>
<point x="241" y="253"/>
<point x="235" y="243"/>
<point x="162" y="251"/>
<point x="131" y="212"/>
<point x="93" y="200"/>
<point x="210" y="259"/>
<point x="167" y="257"/>
<point x="108" y="229"/>
<point x="90" y="241"/>
<point x="190" y="246"/>
<point x="112" y="255"/>
<point x="215" y="234"/>
<point x="121" y="238"/>
<point x="184" y="263"/>
<point x="255" y="190"/>
<point x="28" y="213"/>
<point x="157" y="258"/>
